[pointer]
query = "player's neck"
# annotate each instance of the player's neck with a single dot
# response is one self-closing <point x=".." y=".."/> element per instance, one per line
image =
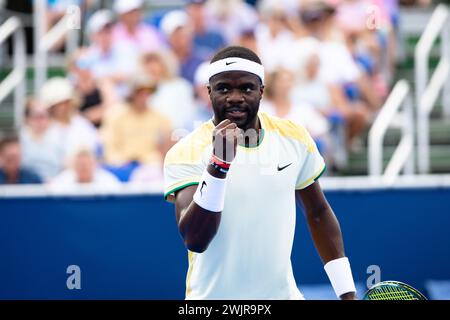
<point x="253" y="135"/>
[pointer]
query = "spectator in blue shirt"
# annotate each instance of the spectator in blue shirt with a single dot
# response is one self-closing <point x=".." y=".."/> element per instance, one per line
<point x="11" y="170"/>
<point x="206" y="41"/>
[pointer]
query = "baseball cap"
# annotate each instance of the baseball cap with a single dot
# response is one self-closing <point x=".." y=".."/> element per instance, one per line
<point x="99" y="20"/>
<point x="124" y="6"/>
<point x="56" y="90"/>
<point x="173" y="20"/>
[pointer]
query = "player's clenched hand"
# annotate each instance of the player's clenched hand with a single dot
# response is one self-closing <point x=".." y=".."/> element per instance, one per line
<point x="226" y="137"/>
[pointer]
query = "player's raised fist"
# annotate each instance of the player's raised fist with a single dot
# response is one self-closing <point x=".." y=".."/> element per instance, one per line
<point x="226" y="136"/>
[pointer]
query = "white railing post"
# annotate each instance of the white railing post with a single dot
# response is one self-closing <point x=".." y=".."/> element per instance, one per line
<point x="21" y="64"/>
<point x="402" y="157"/>
<point x="426" y="104"/>
<point x="45" y="40"/>
<point x="423" y="144"/>
<point x="445" y="52"/>
<point x="73" y="25"/>
<point x="408" y="131"/>
<point x="15" y="80"/>
<point x="437" y="26"/>
<point x="40" y="56"/>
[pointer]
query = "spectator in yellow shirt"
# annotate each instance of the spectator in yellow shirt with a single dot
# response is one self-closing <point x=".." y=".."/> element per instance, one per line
<point x="136" y="133"/>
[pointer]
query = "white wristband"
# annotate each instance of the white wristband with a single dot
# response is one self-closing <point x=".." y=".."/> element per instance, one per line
<point x="210" y="194"/>
<point x="340" y="275"/>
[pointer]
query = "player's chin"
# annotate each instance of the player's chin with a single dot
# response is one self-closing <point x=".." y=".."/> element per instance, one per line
<point x="240" y="119"/>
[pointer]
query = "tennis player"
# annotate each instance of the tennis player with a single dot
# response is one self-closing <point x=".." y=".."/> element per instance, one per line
<point x="234" y="182"/>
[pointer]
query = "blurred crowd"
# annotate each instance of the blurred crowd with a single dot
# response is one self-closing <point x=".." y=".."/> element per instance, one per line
<point x="139" y="84"/>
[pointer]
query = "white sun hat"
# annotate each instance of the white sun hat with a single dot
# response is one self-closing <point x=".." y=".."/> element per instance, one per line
<point x="99" y="20"/>
<point x="124" y="6"/>
<point x="173" y="20"/>
<point x="56" y="90"/>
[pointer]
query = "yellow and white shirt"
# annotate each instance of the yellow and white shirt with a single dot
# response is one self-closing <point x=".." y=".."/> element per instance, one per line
<point x="250" y="256"/>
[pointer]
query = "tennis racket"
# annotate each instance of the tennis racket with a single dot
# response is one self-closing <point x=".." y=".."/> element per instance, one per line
<point x="393" y="290"/>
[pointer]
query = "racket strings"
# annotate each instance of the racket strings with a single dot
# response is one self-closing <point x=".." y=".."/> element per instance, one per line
<point x="391" y="293"/>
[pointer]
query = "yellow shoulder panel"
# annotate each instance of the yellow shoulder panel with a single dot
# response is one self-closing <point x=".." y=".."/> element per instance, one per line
<point x="189" y="149"/>
<point x="288" y="129"/>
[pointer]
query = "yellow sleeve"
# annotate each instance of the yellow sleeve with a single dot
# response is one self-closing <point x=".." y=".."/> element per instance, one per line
<point x="313" y="165"/>
<point x="185" y="162"/>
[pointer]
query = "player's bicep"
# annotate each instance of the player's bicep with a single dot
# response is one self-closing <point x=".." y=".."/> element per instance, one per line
<point x="183" y="199"/>
<point x="312" y="199"/>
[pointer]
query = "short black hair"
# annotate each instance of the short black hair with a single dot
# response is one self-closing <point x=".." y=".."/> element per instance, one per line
<point x="236" y="52"/>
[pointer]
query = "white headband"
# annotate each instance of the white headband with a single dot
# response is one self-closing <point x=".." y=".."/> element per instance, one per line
<point x="236" y="64"/>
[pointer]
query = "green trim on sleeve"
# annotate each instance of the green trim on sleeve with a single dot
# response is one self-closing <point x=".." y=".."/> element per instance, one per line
<point x="167" y="194"/>
<point x="321" y="173"/>
<point x="314" y="178"/>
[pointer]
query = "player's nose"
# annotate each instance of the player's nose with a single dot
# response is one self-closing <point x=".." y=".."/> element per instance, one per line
<point x="235" y="96"/>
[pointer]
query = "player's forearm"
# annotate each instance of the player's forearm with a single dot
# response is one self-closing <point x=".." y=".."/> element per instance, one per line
<point x="326" y="234"/>
<point x="199" y="211"/>
<point x="327" y="238"/>
<point x="198" y="227"/>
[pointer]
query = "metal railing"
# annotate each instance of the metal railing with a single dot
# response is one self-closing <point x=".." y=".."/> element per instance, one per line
<point x="428" y="89"/>
<point x="15" y="80"/>
<point x="44" y="40"/>
<point x="403" y="157"/>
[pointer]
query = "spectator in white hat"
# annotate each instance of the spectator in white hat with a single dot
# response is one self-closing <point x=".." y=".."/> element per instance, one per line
<point x="131" y="30"/>
<point x="107" y="61"/>
<point x="58" y="96"/>
<point x="177" y="27"/>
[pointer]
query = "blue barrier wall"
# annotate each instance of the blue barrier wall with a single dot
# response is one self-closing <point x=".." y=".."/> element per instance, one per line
<point x="128" y="247"/>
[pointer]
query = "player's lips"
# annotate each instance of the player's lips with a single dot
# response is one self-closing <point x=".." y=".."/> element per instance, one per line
<point x="236" y="112"/>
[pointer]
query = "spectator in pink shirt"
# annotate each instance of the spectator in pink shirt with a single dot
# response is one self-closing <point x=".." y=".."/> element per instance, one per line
<point x="131" y="31"/>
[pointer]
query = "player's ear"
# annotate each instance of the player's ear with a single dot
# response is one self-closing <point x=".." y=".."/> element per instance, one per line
<point x="209" y="89"/>
<point x="261" y="90"/>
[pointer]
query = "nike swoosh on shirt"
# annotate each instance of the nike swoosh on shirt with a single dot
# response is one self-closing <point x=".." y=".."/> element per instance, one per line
<point x="282" y="168"/>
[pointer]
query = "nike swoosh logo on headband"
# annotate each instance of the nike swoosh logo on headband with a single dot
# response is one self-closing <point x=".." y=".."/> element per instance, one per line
<point x="228" y="63"/>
